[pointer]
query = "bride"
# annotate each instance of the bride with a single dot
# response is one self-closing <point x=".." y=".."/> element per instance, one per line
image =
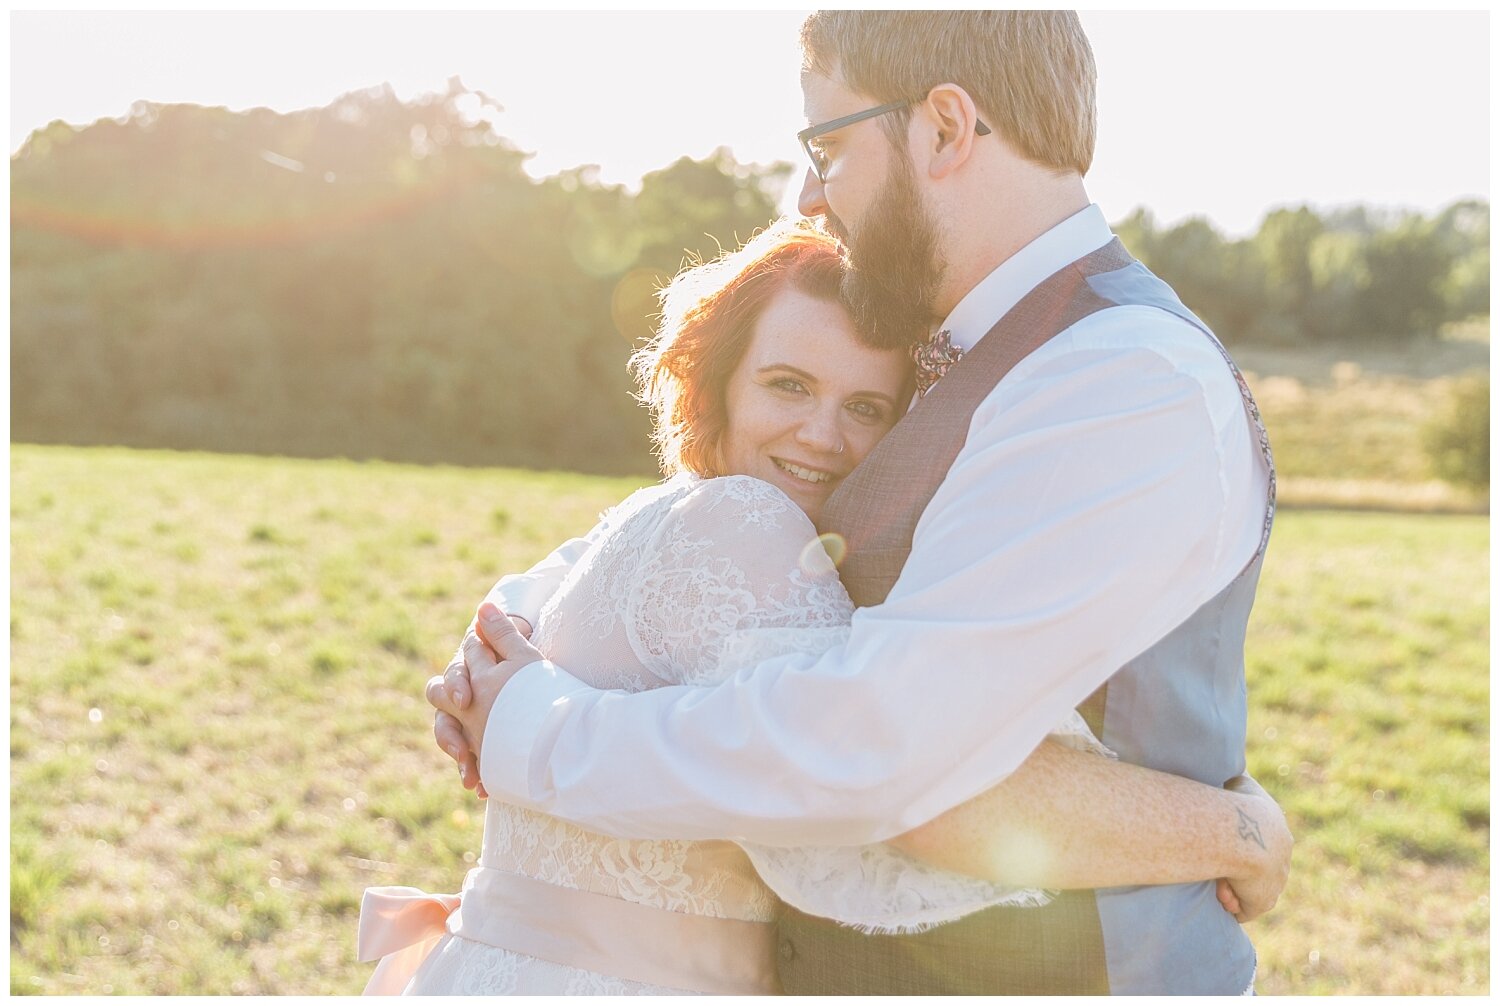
<point x="764" y="398"/>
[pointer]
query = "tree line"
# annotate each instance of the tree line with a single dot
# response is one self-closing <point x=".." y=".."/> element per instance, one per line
<point x="1304" y="278"/>
<point x="379" y="278"/>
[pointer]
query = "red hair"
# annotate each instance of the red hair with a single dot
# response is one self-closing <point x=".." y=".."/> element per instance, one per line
<point x="708" y="313"/>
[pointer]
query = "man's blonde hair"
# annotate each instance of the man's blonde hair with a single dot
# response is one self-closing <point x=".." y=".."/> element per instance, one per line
<point x="1031" y="73"/>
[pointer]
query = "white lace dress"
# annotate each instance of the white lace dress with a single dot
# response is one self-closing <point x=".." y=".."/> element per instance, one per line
<point x="686" y="581"/>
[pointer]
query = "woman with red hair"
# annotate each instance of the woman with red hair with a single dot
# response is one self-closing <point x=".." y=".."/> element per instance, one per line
<point x="725" y="325"/>
<point x="764" y="398"/>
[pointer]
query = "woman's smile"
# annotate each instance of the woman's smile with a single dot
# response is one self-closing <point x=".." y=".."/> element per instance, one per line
<point x="804" y="472"/>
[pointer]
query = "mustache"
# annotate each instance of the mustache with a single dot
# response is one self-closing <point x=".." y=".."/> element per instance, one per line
<point x="834" y="226"/>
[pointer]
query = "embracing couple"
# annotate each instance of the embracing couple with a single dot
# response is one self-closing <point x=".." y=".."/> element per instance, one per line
<point x="923" y="670"/>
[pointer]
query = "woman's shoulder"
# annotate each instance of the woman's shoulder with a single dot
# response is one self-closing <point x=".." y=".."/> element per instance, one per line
<point x="742" y="501"/>
<point x="658" y="496"/>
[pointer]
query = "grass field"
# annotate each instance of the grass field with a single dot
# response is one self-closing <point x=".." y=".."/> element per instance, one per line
<point x="1346" y="421"/>
<point x="218" y="740"/>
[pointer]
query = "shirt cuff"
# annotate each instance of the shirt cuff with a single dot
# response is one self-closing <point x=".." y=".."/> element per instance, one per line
<point x="513" y="596"/>
<point x="523" y="722"/>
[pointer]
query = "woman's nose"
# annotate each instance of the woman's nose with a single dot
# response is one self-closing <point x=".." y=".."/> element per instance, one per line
<point x="820" y="431"/>
<point x="810" y="202"/>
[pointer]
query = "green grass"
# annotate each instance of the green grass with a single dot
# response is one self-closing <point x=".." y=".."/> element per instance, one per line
<point x="254" y="633"/>
<point x="1369" y="686"/>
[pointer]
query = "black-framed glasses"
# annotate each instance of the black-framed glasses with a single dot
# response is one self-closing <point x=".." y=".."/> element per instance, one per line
<point x="811" y="133"/>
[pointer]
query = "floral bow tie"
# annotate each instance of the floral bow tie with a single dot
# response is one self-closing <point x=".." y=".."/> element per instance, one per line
<point x="934" y="357"/>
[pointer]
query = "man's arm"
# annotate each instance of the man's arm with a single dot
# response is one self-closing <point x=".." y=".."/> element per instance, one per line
<point x="1072" y="819"/>
<point x="1088" y="514"/>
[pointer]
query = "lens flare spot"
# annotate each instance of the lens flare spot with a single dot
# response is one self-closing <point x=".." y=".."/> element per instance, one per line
<point x="601" y="252"/>
<point x="1025" y="852"/>
<point x="632" y="305"/>
<point x="824" y="554"/>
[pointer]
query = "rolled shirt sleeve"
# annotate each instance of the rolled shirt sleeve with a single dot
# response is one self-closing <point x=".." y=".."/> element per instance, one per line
<point x="1105" y="492"/>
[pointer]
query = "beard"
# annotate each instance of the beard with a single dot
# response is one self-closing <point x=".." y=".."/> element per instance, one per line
<point x="892" y="267"/>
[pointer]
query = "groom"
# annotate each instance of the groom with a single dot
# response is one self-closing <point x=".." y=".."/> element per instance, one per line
<point x="1074" y="516"/>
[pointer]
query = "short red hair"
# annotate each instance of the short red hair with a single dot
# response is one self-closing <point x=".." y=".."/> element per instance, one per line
<point x="708" y="312"/>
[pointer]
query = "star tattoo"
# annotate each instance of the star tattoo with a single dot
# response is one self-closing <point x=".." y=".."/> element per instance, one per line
<point x="1250" y="828"/>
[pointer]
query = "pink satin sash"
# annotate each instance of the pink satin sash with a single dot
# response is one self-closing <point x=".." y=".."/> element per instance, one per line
<point x="579" y="929"/>
<point x="399" y="926"/>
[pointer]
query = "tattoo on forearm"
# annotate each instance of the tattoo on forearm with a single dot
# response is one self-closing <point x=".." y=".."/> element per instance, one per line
<point x="1250" y="828"/>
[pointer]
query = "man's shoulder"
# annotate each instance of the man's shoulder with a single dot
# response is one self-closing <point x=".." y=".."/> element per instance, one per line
<point x="1127" y="354"/>
<point x="1148" y="335"/>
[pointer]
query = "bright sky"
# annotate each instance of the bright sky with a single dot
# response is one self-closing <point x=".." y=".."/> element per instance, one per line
<point x="1222" y="115"/>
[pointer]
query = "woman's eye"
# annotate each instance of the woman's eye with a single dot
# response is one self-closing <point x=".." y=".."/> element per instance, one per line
<point x="867" y="410"/>
<point x="789" y="385"/>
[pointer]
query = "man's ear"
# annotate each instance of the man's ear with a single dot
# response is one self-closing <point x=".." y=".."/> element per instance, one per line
<point x="951" y="119"/>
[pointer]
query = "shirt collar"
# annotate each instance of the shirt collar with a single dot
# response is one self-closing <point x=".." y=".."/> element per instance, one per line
<point x="1084" y="232"/>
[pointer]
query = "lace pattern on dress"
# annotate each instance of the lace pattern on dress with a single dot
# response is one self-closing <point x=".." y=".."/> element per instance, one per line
<point x="733" y="556"/>
<point x="628" y="587"/>
<point x="687" y="583"/>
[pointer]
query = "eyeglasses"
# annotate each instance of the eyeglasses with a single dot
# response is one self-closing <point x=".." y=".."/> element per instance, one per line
<point x="819" y="159"/>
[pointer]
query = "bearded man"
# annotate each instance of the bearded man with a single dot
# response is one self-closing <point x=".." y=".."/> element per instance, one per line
<point x="1073" y="514"/>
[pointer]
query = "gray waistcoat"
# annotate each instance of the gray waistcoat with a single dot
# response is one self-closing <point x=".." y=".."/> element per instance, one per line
<point x="1179" y="707"/>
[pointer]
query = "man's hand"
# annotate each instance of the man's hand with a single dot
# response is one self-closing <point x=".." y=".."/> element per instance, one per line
<point x="1264" y="832"/>
<point x="451" y="693"/>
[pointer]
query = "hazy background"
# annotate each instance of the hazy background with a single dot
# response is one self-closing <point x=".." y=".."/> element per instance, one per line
<point x="1218" y="115"/>
<point x="319" y="234"/>
<point x="319" y="325"/>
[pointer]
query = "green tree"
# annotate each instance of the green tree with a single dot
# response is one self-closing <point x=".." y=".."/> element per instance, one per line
<point x="373" y="278"/>
<point x="1458" y="442"/>
<point x="1464" y="229"/>
<point x="1406" y="264"/>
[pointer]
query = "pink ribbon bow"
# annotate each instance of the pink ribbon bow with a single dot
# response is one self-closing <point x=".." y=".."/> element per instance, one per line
<point x="399" y="926"/>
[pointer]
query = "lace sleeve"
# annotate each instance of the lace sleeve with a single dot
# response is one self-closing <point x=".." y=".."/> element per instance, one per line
<point x="735" y="575"/>
<point x="732" y="558"/>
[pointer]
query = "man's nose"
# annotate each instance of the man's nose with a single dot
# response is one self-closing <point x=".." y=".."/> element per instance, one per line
<point x="810" y="203"/>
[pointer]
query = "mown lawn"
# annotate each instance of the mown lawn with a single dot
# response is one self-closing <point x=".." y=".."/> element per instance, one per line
<point x="217" y="736"/>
